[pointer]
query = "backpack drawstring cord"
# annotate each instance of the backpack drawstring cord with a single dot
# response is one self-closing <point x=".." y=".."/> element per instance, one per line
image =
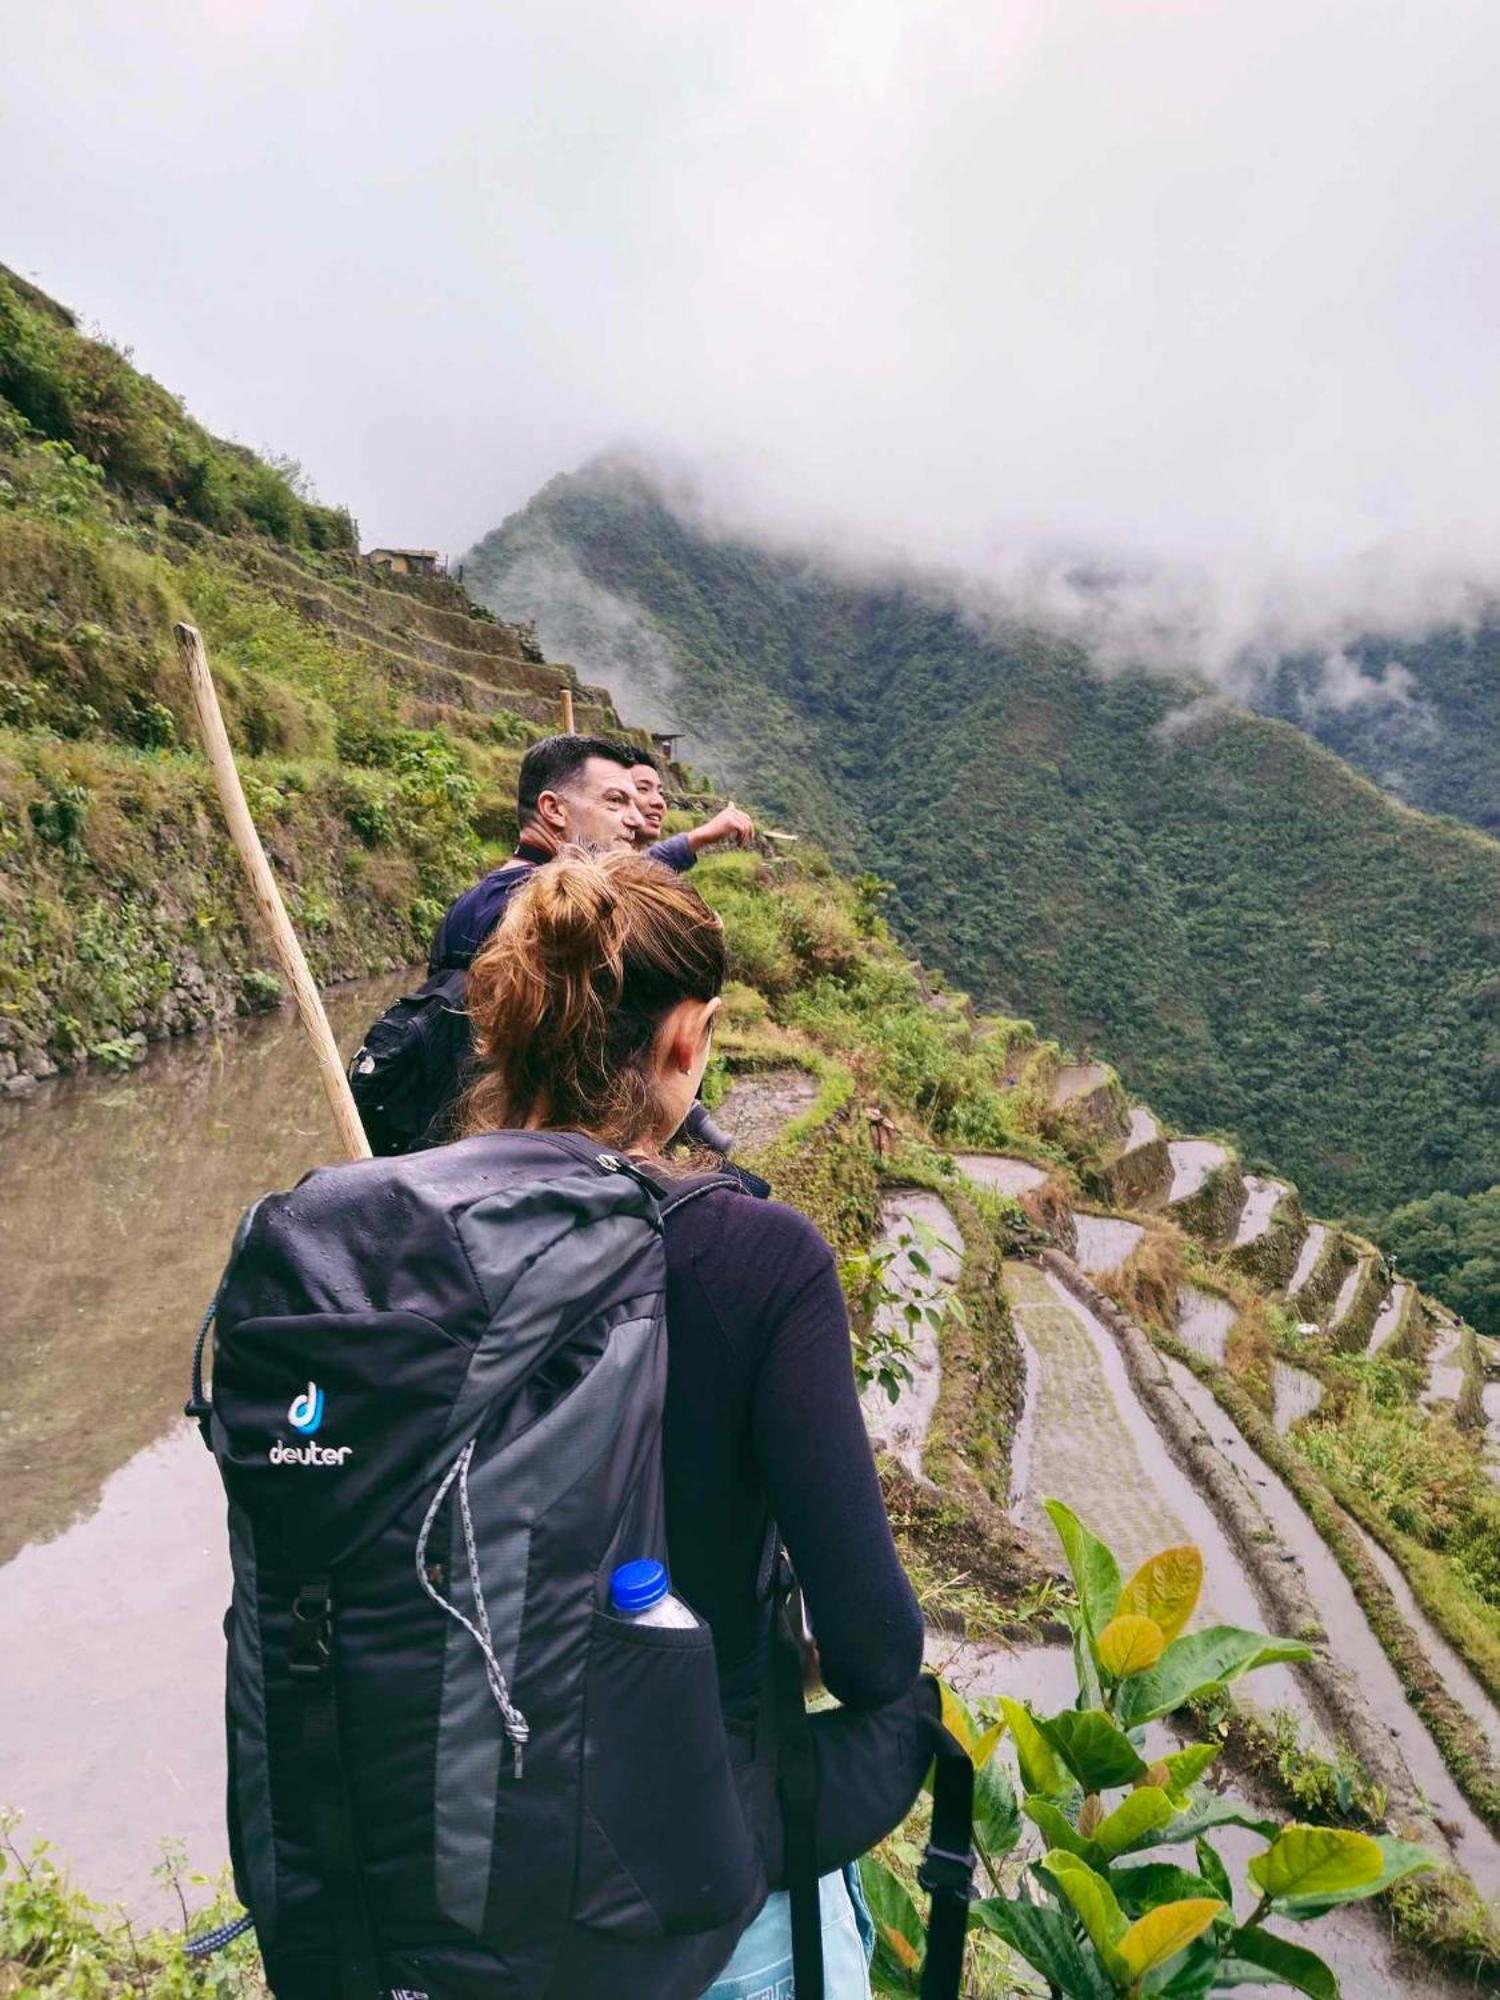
<point x="516" y="1726"/>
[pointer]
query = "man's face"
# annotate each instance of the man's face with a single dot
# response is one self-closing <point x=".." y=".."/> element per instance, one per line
<point x="598" y="808"/>
<point x="650" y="799"/>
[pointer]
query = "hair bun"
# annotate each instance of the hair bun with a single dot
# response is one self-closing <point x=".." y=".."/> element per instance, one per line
<point x="573" y="905"/>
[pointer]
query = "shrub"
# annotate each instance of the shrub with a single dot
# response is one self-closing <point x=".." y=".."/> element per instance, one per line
<point x="1108" y="1919"/>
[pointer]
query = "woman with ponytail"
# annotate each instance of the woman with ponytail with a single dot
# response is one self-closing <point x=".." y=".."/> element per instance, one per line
<point x="593" y="1009"/>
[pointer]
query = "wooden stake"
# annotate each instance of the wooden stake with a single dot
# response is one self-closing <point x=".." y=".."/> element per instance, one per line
<point x="565" y="695"/>
<point x="284" y="939"/>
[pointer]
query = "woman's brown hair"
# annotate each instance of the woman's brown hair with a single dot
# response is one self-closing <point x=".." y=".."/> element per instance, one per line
<point x="567" y="996"/>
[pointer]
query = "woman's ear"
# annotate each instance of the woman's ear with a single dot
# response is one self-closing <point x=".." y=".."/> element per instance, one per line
<point x="691" y="1027"/>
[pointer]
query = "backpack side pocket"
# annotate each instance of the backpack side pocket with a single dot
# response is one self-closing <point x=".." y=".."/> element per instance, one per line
<point x="664" y="1846"/>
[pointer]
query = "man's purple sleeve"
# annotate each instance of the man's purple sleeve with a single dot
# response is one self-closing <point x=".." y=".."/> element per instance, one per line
<point x="677" y="854"/>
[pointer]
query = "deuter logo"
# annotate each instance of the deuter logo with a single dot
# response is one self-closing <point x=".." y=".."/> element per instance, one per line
<point x="306" y="1412"/>
<point x="309" y="1454"/>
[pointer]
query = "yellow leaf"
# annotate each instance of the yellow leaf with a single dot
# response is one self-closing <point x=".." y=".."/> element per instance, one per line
<point x="1165" y="1588"/>
<point x="957" y="1720"/>
<point x="902" y="1949"/>
<point x="984" y="1749"/>
<point x="1162" y="1933"/>
<point x="1316" y="1861"/>
<point x="1039" y="1768"/>
<point x="1130" y="1644"/>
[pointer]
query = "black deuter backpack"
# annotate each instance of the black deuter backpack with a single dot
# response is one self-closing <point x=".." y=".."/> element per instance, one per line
<point x="407" y="1073"/>
<point x="437" y="1400"/>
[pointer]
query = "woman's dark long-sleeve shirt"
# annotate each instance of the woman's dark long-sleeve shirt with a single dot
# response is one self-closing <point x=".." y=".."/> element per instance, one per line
<point x="763" y="1417"/>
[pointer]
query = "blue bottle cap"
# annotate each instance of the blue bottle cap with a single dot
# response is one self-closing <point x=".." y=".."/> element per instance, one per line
<point x="636" y="1586"/>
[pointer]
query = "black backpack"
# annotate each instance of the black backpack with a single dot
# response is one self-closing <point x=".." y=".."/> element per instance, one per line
<point x="408" y="1072"/>
<point x="453" y="1773"/>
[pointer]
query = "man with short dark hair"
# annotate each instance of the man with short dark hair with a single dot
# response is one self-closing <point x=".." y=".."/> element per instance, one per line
<point x="570" y="789"/>
<point x="651" y="801"/>
<point x="409" y="1071"/>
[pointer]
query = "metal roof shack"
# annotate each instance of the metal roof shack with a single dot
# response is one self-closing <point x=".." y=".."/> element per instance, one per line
<point x="407" y="562"/>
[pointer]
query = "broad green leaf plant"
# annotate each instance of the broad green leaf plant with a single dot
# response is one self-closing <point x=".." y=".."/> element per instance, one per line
<point x="1091" y="1905"/>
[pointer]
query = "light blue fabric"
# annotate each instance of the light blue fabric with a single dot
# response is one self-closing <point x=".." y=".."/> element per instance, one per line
<point x="761" y="1968"/>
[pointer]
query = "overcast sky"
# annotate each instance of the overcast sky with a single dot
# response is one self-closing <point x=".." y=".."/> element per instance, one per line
<point x="1210" y="280"/>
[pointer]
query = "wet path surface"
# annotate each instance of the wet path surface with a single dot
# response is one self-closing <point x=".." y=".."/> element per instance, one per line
<point x="118" y="1200"/>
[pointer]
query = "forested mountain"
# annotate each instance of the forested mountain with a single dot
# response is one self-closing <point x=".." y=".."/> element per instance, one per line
<point x="1426" y="721"/>
<point x="1255" y="933"/>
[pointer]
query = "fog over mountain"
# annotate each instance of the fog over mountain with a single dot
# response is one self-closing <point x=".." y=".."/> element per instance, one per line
<point x="1195" y="303"/>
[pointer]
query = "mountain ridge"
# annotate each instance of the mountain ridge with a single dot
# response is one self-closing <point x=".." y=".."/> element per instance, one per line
<point x="1250" y="927"/>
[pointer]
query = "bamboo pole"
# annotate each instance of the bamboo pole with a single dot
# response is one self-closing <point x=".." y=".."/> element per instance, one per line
<point x="565" y="696"/>
<point x="284" y="939"/>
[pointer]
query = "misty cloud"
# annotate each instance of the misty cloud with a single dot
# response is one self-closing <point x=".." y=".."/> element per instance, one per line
<point x="1172" y="323"/>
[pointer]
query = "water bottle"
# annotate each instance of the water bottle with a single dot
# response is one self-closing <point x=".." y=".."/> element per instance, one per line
<point x="638" y="1591"/>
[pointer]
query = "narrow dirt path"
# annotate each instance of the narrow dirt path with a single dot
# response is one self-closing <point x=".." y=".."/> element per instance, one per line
<point x="757" y="1108"/>
<point x="900" y="1428"/>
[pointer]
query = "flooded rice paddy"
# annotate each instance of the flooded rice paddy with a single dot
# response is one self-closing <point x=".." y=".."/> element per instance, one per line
<point x="1104" y="1241"/>
<point x="1261" y="1199"/>
<point x="1002" y="1173"/>
<point x="1193" y="1160"/>
<point x="1307" y="1258"/>
<point x="118" y="1200"/>
<point x="1204" y="1321"/>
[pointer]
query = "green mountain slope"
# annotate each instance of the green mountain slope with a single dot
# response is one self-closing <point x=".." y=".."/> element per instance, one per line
<point x="379" y="720"/>
<point x="1258" y="936"/>
<point x="1433" y="739"/>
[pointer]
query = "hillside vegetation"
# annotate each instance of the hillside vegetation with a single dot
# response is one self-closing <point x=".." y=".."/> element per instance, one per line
<point x="379" y="720"/>
<point x="1431" y="734"/>
<point x="1261" y="940"/>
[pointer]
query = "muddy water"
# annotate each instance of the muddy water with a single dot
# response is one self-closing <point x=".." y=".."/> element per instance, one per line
<point x="1096" y="1447"/>
<point x="1261" y="1197"/>
<point x="1294" y="1394"/>
<point x="1144" y="1130"/>
<point x="1002" y="1173"/>
<point x="1204" y="1321"/>
<point x="1445" y="1378"/>
<point x="1347" y="1289"/>
<point x="118" y="1200"/>
<point x="1104" y="1241"/>
<point x="758" y="1108"/>
<point x="901" y="1427"/>
<point x="1387" y="1319"/>
<point x="1193" y="1160"/>
<point x="1077" y="1080"/>
<point x="1312" y="1250"/>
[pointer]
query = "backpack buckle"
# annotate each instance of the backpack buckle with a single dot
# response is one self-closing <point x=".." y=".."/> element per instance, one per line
<point x="944" y="1873"/>
<point x="310" y="1647"/>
